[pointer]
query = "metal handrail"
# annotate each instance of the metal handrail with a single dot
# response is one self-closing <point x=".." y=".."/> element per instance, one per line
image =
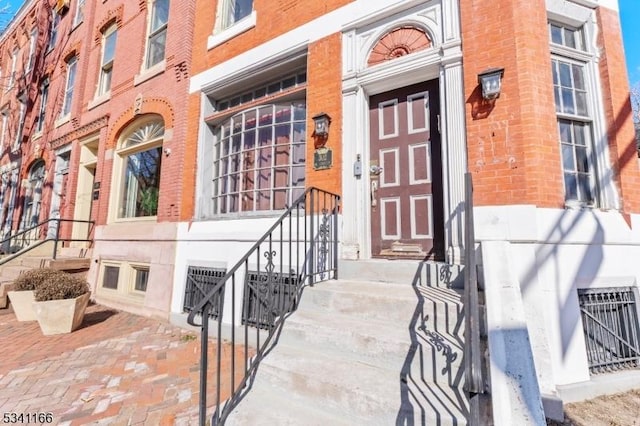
<point x="26" y="243"/>
<point x="309" y="247"/>
<point x="473" y="358"/>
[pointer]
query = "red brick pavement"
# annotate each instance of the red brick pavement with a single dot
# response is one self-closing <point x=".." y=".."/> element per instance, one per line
<point x="117" y="369"/>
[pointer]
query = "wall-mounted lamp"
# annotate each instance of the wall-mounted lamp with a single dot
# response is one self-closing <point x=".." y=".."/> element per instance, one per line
<point x="321" y="123"/>
<point x="167" y="151"/>
<point x="491" y="81"/>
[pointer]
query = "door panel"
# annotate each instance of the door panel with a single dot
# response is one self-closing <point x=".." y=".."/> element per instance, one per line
<point x="406" y="174"/>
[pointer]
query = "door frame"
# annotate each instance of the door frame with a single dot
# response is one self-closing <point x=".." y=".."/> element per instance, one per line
<point x="84" y="190"/>
<point x="441" y="63"/>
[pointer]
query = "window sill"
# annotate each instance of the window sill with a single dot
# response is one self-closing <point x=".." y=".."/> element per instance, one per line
<point x="236" y="29"/>
<point x="99" y="100"/>
<point x="62" y="120"/>
<point x="136" y="219"/>
<point x="149" y="73"/>
<point x="36" y="135"/>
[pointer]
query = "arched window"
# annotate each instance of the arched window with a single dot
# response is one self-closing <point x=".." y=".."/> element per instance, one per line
<point x="259" y="158"/>
<point x="139" y="159"/>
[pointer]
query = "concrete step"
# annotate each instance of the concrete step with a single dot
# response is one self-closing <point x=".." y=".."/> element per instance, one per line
<point x="11" y="272"/>
<point x="80" y="252"/>
<point x="61" y="263"/>
<point x="356" y="393"/>
<point x="265" y="405"/>
<point x="426" y="273"/>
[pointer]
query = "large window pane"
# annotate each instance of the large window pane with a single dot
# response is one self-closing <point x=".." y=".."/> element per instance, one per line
<point x="142" y="183"/>
<point x="262" y="169"/>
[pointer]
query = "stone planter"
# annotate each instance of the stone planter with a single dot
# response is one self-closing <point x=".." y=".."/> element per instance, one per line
<point x="22" y="303"/>
<point x="61" y="316"/>
<point x="4" y="289"/>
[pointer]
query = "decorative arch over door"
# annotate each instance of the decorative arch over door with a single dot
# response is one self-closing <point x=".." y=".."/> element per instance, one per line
<point x="399" y="42"/>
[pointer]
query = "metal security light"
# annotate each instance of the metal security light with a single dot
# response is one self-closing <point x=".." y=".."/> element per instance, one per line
<point x="491" y="82"/>
<point x="321" y="123"/>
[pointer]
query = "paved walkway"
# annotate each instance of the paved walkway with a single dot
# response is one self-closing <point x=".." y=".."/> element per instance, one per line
<point x="117" y="369"/>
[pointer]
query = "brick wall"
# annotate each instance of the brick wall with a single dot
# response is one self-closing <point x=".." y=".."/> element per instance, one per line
<point x="324" y="94"/>
<point x="617" y="106"/>
<point x="513" y="148"/>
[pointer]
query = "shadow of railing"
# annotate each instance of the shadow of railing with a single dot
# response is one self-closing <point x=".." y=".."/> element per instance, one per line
<point x="432" y="374"/>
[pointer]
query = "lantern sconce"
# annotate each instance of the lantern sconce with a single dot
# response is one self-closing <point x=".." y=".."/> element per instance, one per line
<point x="490" y="81"/>
<point x="321" y="124"/>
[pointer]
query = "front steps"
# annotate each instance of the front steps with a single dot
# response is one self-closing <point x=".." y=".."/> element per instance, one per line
<point x="365" y="352"/>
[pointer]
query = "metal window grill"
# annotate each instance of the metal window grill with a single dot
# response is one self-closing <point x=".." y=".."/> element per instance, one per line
<point x="611" y="330"/>
<point x="200" y="281"/>
<point x="267" y="296"/>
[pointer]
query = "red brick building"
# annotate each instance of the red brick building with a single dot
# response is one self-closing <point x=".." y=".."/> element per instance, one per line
<point x="100" y="118"/>
<point x="552" y="154"/>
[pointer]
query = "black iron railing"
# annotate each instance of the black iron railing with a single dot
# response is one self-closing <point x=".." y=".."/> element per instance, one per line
<point x="30" y="238"/>
<point x="252" y="299"/>
<point x="472" y="352"/>
<point x="611" y="328"/>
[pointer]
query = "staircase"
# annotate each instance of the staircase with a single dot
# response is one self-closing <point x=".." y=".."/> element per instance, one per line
<point x="383" y="345"/>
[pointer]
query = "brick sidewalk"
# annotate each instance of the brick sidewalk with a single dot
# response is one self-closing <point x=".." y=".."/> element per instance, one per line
<point x="117" y="369"/>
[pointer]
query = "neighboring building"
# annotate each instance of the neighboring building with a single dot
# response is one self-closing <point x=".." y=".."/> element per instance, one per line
<point x="94" y="113"/>
<point x="551" y="157"/>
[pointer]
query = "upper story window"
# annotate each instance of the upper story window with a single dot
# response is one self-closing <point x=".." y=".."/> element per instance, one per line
<point x="567" y="36"/>
<point x="235" y="10"/>
<point x="20" y="129"/>
<point x="72" y="64"/>
<point x="79" y="16"/>
<point x="12" y="75"/>
<point x="42" y="111"/>
<point x="53" y="30"/>
<point x="137" y="165"/>
<point x="109" y="38"/>
<point x="5" y="125"/>
<point x="32" y="50"/>
<point x="157" y="38"/>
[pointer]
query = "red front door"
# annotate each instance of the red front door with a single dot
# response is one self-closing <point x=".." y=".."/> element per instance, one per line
<point x="406" y="173"/>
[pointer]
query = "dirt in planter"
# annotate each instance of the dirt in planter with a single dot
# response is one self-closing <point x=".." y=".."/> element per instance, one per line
<point x="621" y="409"/>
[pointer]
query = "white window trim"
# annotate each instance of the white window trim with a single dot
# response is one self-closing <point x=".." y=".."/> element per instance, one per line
<point x="100" y="92"/>
<point x="66" y="116"/>
<point x="32" y="50"/>
<point x="605" y="193"/>
<point x="145" y="68"/>
<point x="79" y="5"/>
<point x="222" y="35"/>
<point x="5" y="123"/>
<point x="149" y="73"/>
<point x="117" y="182"/>
<point x="126" y="281"/>
<point x="12" y="75"/>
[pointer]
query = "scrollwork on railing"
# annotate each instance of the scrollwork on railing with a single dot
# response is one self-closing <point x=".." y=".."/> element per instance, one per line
<point x="324" y="233"/>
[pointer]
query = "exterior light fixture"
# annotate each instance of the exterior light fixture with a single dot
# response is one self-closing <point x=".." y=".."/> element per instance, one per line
<point x="321" y="123"/>
<point x="491" y="81"/>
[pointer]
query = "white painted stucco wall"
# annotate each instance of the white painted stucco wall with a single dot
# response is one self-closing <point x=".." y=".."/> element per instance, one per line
<point x="554" y="252"/>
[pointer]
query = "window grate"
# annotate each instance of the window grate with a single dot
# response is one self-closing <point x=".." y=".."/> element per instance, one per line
<point x="200" y="281"/>
<point x="611" y="330"/>
<point x="267" y="296"/>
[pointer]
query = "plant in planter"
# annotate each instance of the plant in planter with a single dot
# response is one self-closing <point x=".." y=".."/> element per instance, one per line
<point x="22" y="295"/>
<point x="60" y="302"/>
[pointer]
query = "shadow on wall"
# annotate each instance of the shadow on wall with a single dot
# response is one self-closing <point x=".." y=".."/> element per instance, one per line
<point x="432" y="374"/>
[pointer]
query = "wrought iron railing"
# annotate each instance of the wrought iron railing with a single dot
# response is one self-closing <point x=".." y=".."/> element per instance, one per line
<point x="472" y="352"/>
<point x="30" y="238"/>
<point x="253" y="298"/>
<point x="611" y="330"/>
